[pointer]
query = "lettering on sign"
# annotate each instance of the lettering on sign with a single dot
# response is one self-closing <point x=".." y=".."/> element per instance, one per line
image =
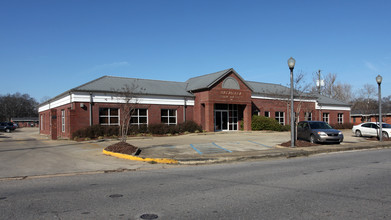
<point x="230" y="94"/>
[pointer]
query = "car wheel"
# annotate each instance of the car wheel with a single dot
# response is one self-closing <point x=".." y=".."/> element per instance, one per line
<point x="7" y="130"/>
<point x="385" y="135"/>
<point x="358" y="133"/>
<point x="312" y="139"/>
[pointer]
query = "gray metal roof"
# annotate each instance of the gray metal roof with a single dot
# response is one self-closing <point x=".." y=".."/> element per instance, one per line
<point x="139" y="86"/>
<point x="269" y="89"/>
<point x="323" y="100"/>
<point x="25" y="119"/>
<point x="275" y="90"/>
<point x="111" y="84"/>
<point x="208" y="80"/>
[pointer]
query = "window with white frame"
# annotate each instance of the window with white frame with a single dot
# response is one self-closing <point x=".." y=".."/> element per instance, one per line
<point x="139" y="117"/>
<point x="326" y="117"/>
<point x="109" y="116"/>
<point x="63" y="120"/>
<point x="168" y="116"/>
<point x="280" y="117"/>
<point x="267" y="114"/>
<point x="340" y="118"/>
<point x="308" y="116"/>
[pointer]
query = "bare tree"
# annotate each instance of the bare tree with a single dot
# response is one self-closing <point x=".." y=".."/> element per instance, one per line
<point x="331" y="88"/>
<point x="302" y="92"/>
<point x="343" y="92"/>
<point x="366" y="101"/>
<point x="129" y="101"/>
<point x="17" y="105"/>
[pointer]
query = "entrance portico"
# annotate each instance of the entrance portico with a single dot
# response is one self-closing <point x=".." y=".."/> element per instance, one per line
<point x="223" y="101"/>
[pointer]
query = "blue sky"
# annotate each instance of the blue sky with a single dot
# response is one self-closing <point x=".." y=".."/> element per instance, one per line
<point x="49" y="47"/>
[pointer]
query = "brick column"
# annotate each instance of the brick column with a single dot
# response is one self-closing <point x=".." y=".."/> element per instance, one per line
<point x="209" y="116"/>
<point x="247" y="118"/>
<point x="53" y="124"/>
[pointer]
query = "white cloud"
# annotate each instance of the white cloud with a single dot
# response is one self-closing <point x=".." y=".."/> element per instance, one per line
<point x="370" y="66"/>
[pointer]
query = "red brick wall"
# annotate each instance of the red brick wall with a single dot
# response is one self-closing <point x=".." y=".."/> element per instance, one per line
<point x="385" y="119"/>
<point x="77" y="117"/>
<point x="217" y="94"/>
<point x="44" y="126"/>
<point x="274" y="106"/>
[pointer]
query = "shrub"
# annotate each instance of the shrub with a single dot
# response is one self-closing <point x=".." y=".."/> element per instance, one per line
<point x="343" y="126"/>
<point x="137" y="129"/>
<point x="285" y="128"/>
<point x="266" y="123"/>
<point x="96" y="131"/>
<point x="189" y="126"/>
<point x="158" y="128"/>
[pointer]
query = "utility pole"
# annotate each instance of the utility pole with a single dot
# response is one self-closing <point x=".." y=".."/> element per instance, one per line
<point x="319" y="81"/>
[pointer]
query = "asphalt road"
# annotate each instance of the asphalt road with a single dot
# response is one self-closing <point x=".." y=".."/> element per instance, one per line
<point x="350" y="185"/>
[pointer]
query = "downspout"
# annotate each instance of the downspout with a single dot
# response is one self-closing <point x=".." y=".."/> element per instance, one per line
<point x="184" y="110"/>
<point x="91" y="108"/>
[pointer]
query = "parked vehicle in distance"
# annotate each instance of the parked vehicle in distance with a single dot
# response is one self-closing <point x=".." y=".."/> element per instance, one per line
<point x="7" y="126"/>
<point x="318" y="131"/>
<point x="371" y="129"/>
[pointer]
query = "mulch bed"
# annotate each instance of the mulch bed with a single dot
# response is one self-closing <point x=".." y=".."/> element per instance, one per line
<point x="377" y="139"/>
<point x="299" y="143"/>
<point x="122" y="147"/>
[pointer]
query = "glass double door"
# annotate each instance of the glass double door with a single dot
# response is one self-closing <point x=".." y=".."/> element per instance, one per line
<point x="226" y="117"/>
<point x="221" y="120"/>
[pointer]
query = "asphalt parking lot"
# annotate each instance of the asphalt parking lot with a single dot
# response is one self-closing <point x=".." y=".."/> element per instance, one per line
<point x="26" y="153"/>
<point x="194" y="145"/>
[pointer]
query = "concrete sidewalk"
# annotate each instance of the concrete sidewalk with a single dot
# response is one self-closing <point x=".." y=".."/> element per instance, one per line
<point x="236" y="146"/>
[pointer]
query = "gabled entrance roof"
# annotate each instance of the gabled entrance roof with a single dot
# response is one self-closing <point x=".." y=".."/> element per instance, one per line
<point x="209" y="80"/>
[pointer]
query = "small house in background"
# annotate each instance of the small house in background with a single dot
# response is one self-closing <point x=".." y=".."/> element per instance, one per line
<point x="26" y="122"/>
<point x="358" y="117"/>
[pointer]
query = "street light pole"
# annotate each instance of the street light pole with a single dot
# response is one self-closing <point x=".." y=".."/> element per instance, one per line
<point x="378" y="80"/>
<point x="291" y="64"/>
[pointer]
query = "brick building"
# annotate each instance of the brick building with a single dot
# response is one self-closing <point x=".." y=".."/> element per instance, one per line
<point x="360" y="116"/>
<point x="218" y="101"/>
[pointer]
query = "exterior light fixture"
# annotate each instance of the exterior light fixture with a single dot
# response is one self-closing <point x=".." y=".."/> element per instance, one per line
<point x="378" y="80"/>
<point x="291" y="65"/>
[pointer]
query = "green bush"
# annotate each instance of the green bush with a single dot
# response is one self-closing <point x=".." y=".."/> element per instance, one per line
<point x="158" y="128"/>
<point x="189" y="126"/>
<point x="135" y="129"/>
<point x="96" y="131"/>
<point x="343" y="126"/>
<point x="265" y="123"/>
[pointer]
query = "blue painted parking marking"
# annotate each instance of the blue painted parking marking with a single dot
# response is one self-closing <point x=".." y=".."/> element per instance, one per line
<point x="221" y="147"/>
<point x="198" y="151"/>
<point x="260" y="144"/>
<point x="209" y="148"/>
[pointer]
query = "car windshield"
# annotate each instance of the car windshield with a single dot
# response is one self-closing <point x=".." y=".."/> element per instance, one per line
<point x="320" y="125"/>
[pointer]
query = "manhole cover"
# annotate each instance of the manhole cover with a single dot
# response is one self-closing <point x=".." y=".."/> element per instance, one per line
<point x="2" y="198"/>
<point x="148" y="216"/>
<point x="115" y="196"/>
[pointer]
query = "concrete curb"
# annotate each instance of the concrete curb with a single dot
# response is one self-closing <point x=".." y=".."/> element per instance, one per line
<point x="282" y="152"/>
<point x="130" y="157"/>
<point x="287" y="153"/>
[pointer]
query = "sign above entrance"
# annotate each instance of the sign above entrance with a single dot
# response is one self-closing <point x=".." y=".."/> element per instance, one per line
<point x="226" y="94"/>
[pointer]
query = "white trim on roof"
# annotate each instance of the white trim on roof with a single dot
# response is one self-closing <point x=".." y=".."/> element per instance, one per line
<point x="282" y="99"/>
<point x="105" y="98"/>
<point x="331" y="107"/>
